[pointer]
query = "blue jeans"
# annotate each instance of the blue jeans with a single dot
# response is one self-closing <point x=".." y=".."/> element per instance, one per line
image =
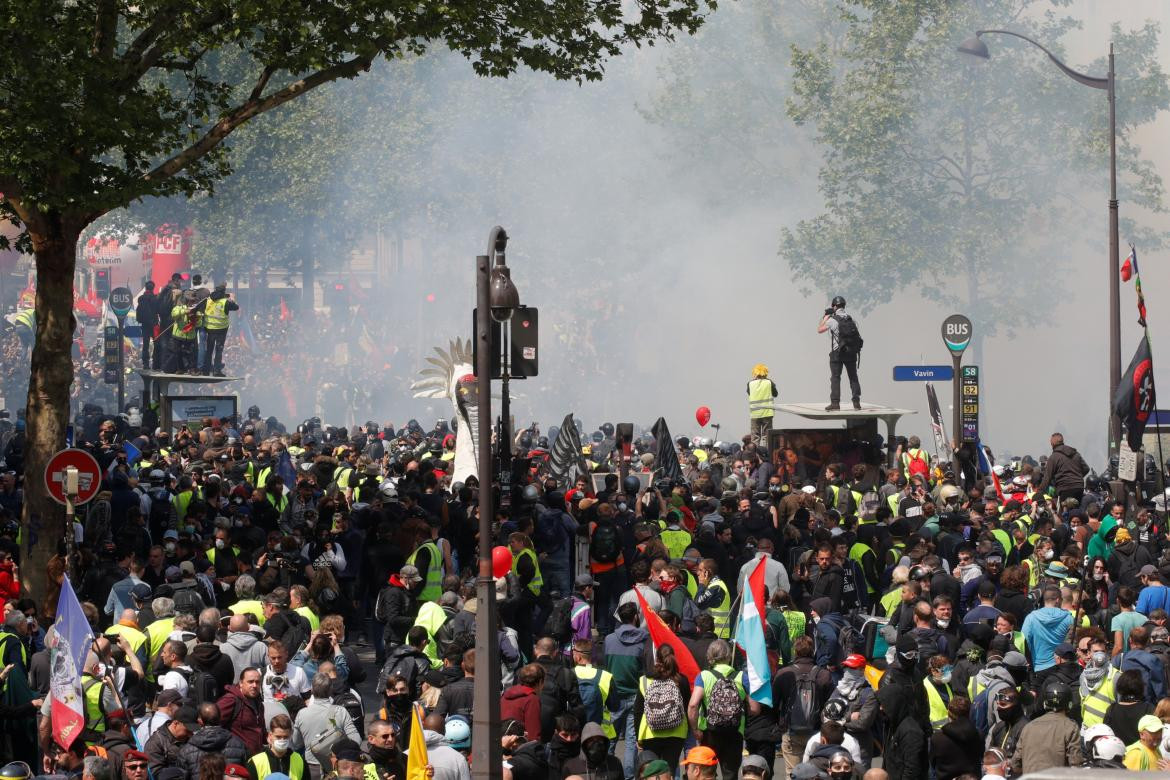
<point x="555" y="571"/>
<point x="623" y="723"/>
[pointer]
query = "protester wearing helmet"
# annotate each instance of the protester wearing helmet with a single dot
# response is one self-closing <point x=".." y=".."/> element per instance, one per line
<point x="761" y="392"/>
<point x="844" y="352"/>
<point x="1053" y="739"/>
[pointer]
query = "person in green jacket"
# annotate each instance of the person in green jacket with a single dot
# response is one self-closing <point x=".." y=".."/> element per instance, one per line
<point x="1101" y="542"/>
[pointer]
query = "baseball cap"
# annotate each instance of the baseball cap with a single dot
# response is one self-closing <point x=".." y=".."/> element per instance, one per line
<point x="810" y="489"/>
<point x="237" y="770"/>
<point x="754" y="764"/>
<point x="409" y="574"/>
<point x="1065" y="650"/>
<point x="853" y="661"/>
<point x="701" y="756"/>
<point x="655" y="767"/>
<point x="141" y="591"/>
<point x="1150" y="723"/>
<point x="1014" y="658"/>
<point x="168" y="697"/>
<point x="173" y="573"/>
<point x="1147" y="570"/>
<point x="188" y="717"/>
<point x="188" y="567"/>
<point x="171" y="533"/>
<point x="584" y="581"/>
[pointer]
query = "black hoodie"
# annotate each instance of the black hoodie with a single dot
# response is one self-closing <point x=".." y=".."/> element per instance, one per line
<point x="206" y="657"/>
<point x="956" y="749"/>
<point x="905" y="748"/>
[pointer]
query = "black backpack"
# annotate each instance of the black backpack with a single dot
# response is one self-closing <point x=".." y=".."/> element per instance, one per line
<point x="560" y="620"/>
<point x="804" y="714"/>
<point x="201" y="687"/>
<point x="298" y="632"/>
<point x="848" y="336"/>
<point x="604" y="546"/>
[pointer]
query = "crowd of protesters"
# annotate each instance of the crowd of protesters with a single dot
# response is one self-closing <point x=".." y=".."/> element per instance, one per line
<point x="244" y="581"/>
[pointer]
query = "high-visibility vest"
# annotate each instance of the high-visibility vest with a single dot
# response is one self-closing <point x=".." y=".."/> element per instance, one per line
<point x="603" y="679"/>
<point x="296" y="765"/>
<point x="537" y="584"/>
<point x="676" y="541"/>
<point x="27" y="318"/>
<point x="722" y="613"/>
<point x="760" y="398"/>
<point x="308" y="614"/>
<point x="157" y="632"/>
<point x="179" y="318"/>
<point x="248" y="607"/>
<point x="1033" y="572"/>
<point x="938" y="707"/>
<point x="135" y="638"/>
<point x="1004" y="540"/>
<point x="370" y="772"/>
<point x="279" y="504"/>
<point x="892" y="501"/>
<point x="5" y="638"/>
<point x="1094" y="705"/>
<point x="891" y="600"/>
<point x="856" y="553"/>
<point x="181" y="502"/>
<point x="912" y="455"/>
<point x="95" y="719"/>
<point x="709" y="678"/>
<point x="692" y="584"/>
<point x="644" y="730"/>
<point x="836" y="489"/>
<point x="797" y="624"/>
<point x="211" y="551"/>
<point x="433" y="587"/>
<point x="215" y="315"/>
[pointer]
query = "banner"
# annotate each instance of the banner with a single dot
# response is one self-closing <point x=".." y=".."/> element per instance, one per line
<point x="660" y="634"/>
<point x="66" y="660"/>
<point x="942" y="448"/>
<point x="1135" y="400"/>
<point x="565" y="462"/>
<point x="665" y="455"/>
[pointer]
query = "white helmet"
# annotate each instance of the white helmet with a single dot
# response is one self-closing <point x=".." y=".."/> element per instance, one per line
<point x="1090" y="733"/>
<point x="1107" y="748"/>
<point x="389" y="491"/>
<point x="949" y="492"/>
<point x="997" y="469"/>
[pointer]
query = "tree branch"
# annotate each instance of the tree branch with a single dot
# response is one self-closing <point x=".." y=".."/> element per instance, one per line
<point x="262" y="82"/>
<point x="149" y="35"/>
<point x="105" y="28"/>
<point x="250" y="109"/>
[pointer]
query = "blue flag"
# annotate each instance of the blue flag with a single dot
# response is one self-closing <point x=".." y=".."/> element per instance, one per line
<point x="284" y="468"/>
<point x="67" y="660"/>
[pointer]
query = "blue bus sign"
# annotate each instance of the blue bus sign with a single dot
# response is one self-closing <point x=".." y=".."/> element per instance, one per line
<point x="923" y="373"/>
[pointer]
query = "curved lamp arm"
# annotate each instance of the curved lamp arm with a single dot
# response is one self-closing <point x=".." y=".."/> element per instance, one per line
<point x="1089" y="81"/>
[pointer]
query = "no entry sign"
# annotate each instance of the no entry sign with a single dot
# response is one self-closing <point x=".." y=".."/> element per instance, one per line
<point x="88" y="475"/>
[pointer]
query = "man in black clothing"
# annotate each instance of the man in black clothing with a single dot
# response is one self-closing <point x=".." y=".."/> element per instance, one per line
<point x="147" y="315"/>
<point x="841" y="353"/>
<point x="458" y="697"/>
<point x="561" y="693"/>
<point x="1065" y="470"/>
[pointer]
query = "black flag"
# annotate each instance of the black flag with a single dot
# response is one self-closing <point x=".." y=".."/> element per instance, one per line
<point x="665" y="455"/>
<point x="565" y="462"/>
<point x="1134" y="401"/>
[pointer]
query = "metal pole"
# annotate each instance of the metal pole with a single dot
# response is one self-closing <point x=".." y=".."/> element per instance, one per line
<point x="957" y="416"/>
<point x="121" y="365"/>
<point x="487" y="757"/>
<point x="505" y="402"/>
<point x="1114" y="265"/>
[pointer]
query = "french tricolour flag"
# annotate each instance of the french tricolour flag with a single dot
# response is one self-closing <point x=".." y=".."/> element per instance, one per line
<point x="749" y="635"/>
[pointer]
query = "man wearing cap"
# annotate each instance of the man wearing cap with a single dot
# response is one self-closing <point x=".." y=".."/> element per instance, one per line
<point x="116" y="742"/>
<point x="396" y="607"/>
<point x="1143" y="755"/>
<point x="164" y="747"/>
<point x="861" y="707"/>
<point x="166" y="705"/>
<point x="754" y="768"/>
<point x="1153" y="595"/>
<point x="655" y="769"/>
<point x="701" y="763"/>
<point x="134" y="765"/>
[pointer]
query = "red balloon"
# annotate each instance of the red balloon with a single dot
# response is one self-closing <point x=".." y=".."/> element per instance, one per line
<point x="501" y="561"/>
<point x="703" y="415"/>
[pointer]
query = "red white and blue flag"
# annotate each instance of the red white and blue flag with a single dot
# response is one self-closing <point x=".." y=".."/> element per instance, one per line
<point x="749" y="635"/>
<point x="66" y="660"/>
<point x="1129" y="270"/>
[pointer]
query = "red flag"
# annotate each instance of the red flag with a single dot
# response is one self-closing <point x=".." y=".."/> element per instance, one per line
<point x="661" y="635"/>
<point x="1128" y="267"/>
<point x="284" y="314"/>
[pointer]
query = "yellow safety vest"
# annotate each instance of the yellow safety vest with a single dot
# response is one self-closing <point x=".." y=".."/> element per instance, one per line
<point x="215" y="315"/>
<point x="710" y="677"/>
<point x="537" y="584"/>
<point x="134" y="637"/>
<point x="856" y="553"/>
<point x="248" y="607"/>
<point x="644" y="730"/>
<point x="308" y="614"/>
<point x="676" y="541"/>
<point x="603" y="680"/>
<point x="296" y="766"/>
<point x="433" y="587"/>
<point x="1094" y="705"/>
<point x="27" y="318"/>
<point x="760" y="398"/>
<point x="938" y="708"/>
<point x="179" y="318"/>
<point x="1005" y="541"/>
<point x="692" y="583"/>
<point x="95" y="719"/>
<point x="721" y="614"/>
<point x="157" y="632"/>
<point x="891" y="600"/>
<point x="212" y="550"/>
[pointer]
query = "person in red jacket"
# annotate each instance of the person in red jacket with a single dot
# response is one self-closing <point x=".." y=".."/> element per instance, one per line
<point x="9" y="579"/>
<point x="521" y="702"/>
<point x="241" y="710"/>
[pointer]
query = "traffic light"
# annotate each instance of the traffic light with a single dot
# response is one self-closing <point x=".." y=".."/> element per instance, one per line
<point x="101" y="283"/>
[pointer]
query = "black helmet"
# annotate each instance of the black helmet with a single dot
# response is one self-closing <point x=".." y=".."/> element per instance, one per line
<point x="531" y="494"/>
<point x="1056" y="695"/>
<point x="607" y="429"/>
<point x="631" y="484"/>
<point x="918" y="572"/>
<point x="834" y="710"/>
<point x="542" y="442"/>
<point x="838" y="302"/>
<point x="17" y="770"/>
<point x="253" y="412"/>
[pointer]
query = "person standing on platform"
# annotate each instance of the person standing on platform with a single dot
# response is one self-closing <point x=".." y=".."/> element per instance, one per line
<point x="844" y="352"/>
<point x="761" y="391"/>
<point x="147" y="315"/>
<point x="215" y="322"/>
<point x="180" y="358"/>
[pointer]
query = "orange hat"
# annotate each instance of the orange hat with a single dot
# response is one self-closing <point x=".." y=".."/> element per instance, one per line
<point x="854" y="661"/>
<point x="703" y="756"/>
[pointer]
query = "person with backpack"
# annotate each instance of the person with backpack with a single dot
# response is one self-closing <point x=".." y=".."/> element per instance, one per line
<point x="830" y="628"/>
<point x="607" y="564"/>
<point x="209" y="740"/>
<point x="660" y="709"/>
<point x="596" y="688"/>
<point x="915" y="460"/>
<point x="408" y="661"/>
<point x="241" y="710"/>
<point x="554" y="534"/>
<point x="560" y="694"/>
<point x="173" y="658"/>
<point x="844" y="352"/>
<point x="799" y="691"/>
<point x="716" y="708"/>
<point x="624" y="650"/>
<point x="571" y="618"/>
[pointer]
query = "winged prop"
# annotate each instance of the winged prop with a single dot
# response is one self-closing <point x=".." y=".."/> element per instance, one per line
<point x="565" y="462"/>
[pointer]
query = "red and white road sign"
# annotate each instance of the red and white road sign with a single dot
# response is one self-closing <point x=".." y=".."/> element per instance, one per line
<point x="89" y="479"/>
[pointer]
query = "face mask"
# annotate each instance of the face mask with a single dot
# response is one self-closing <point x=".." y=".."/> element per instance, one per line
<point x="622" y="507"/>
<point x="381" y="754"/>
<point x="1098" y="575"/>
<point x="170" y="547"/>
<point x="843" y="774"/>
<point x="816" y="619"/>
<point x="944" y="677"/>
<point x="219" y="544"/>
<point x="1048" y="554"/>
<point x="238" y="500"/>
<point x="237" y="523"/>
<point x="1099" y="659"/>
<point x="943" y="622"/>
<point x="596" y="751"/>
<point x="100" y="671"/>
<point x="280" y="746"/>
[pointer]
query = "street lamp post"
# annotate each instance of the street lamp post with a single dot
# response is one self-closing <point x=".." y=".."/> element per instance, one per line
<point x="976" y="47"/>
<point x="496" y="298"/>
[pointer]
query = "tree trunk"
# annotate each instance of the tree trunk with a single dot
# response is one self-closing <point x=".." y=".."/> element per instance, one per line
<point x="54" y="239"/>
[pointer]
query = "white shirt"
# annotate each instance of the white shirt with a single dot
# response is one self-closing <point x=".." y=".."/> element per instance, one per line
<point x="296" y="682"/>
<point x="175" y="681"/>
<point x="849" y="743"/>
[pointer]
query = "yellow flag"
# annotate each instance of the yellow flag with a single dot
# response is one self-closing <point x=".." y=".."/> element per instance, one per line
<point x="873" y="676"/>
<point x="416" y="759"/>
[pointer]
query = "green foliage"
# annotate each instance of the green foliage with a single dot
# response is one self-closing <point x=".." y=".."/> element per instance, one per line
<point x="950" y="175"/>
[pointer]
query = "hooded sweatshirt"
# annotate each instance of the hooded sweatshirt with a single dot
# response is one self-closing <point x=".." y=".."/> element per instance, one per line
<point x="448" y="762"/>
<point x="610" y="767"/>
<point x="1043" y="630"/>
<point x="521" y="703"/>
<point x="624" y="651"/>
<point x="993" y="677"/>
<point x="905" y="753"/>
<point x="245" y="649"/>
<point x="1097" y="544"/>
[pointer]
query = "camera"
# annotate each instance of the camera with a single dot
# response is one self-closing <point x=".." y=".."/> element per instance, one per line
<point x="829" y="311"/>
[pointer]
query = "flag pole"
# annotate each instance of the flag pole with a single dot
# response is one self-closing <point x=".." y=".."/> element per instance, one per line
<point x="1158" y="435"/>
